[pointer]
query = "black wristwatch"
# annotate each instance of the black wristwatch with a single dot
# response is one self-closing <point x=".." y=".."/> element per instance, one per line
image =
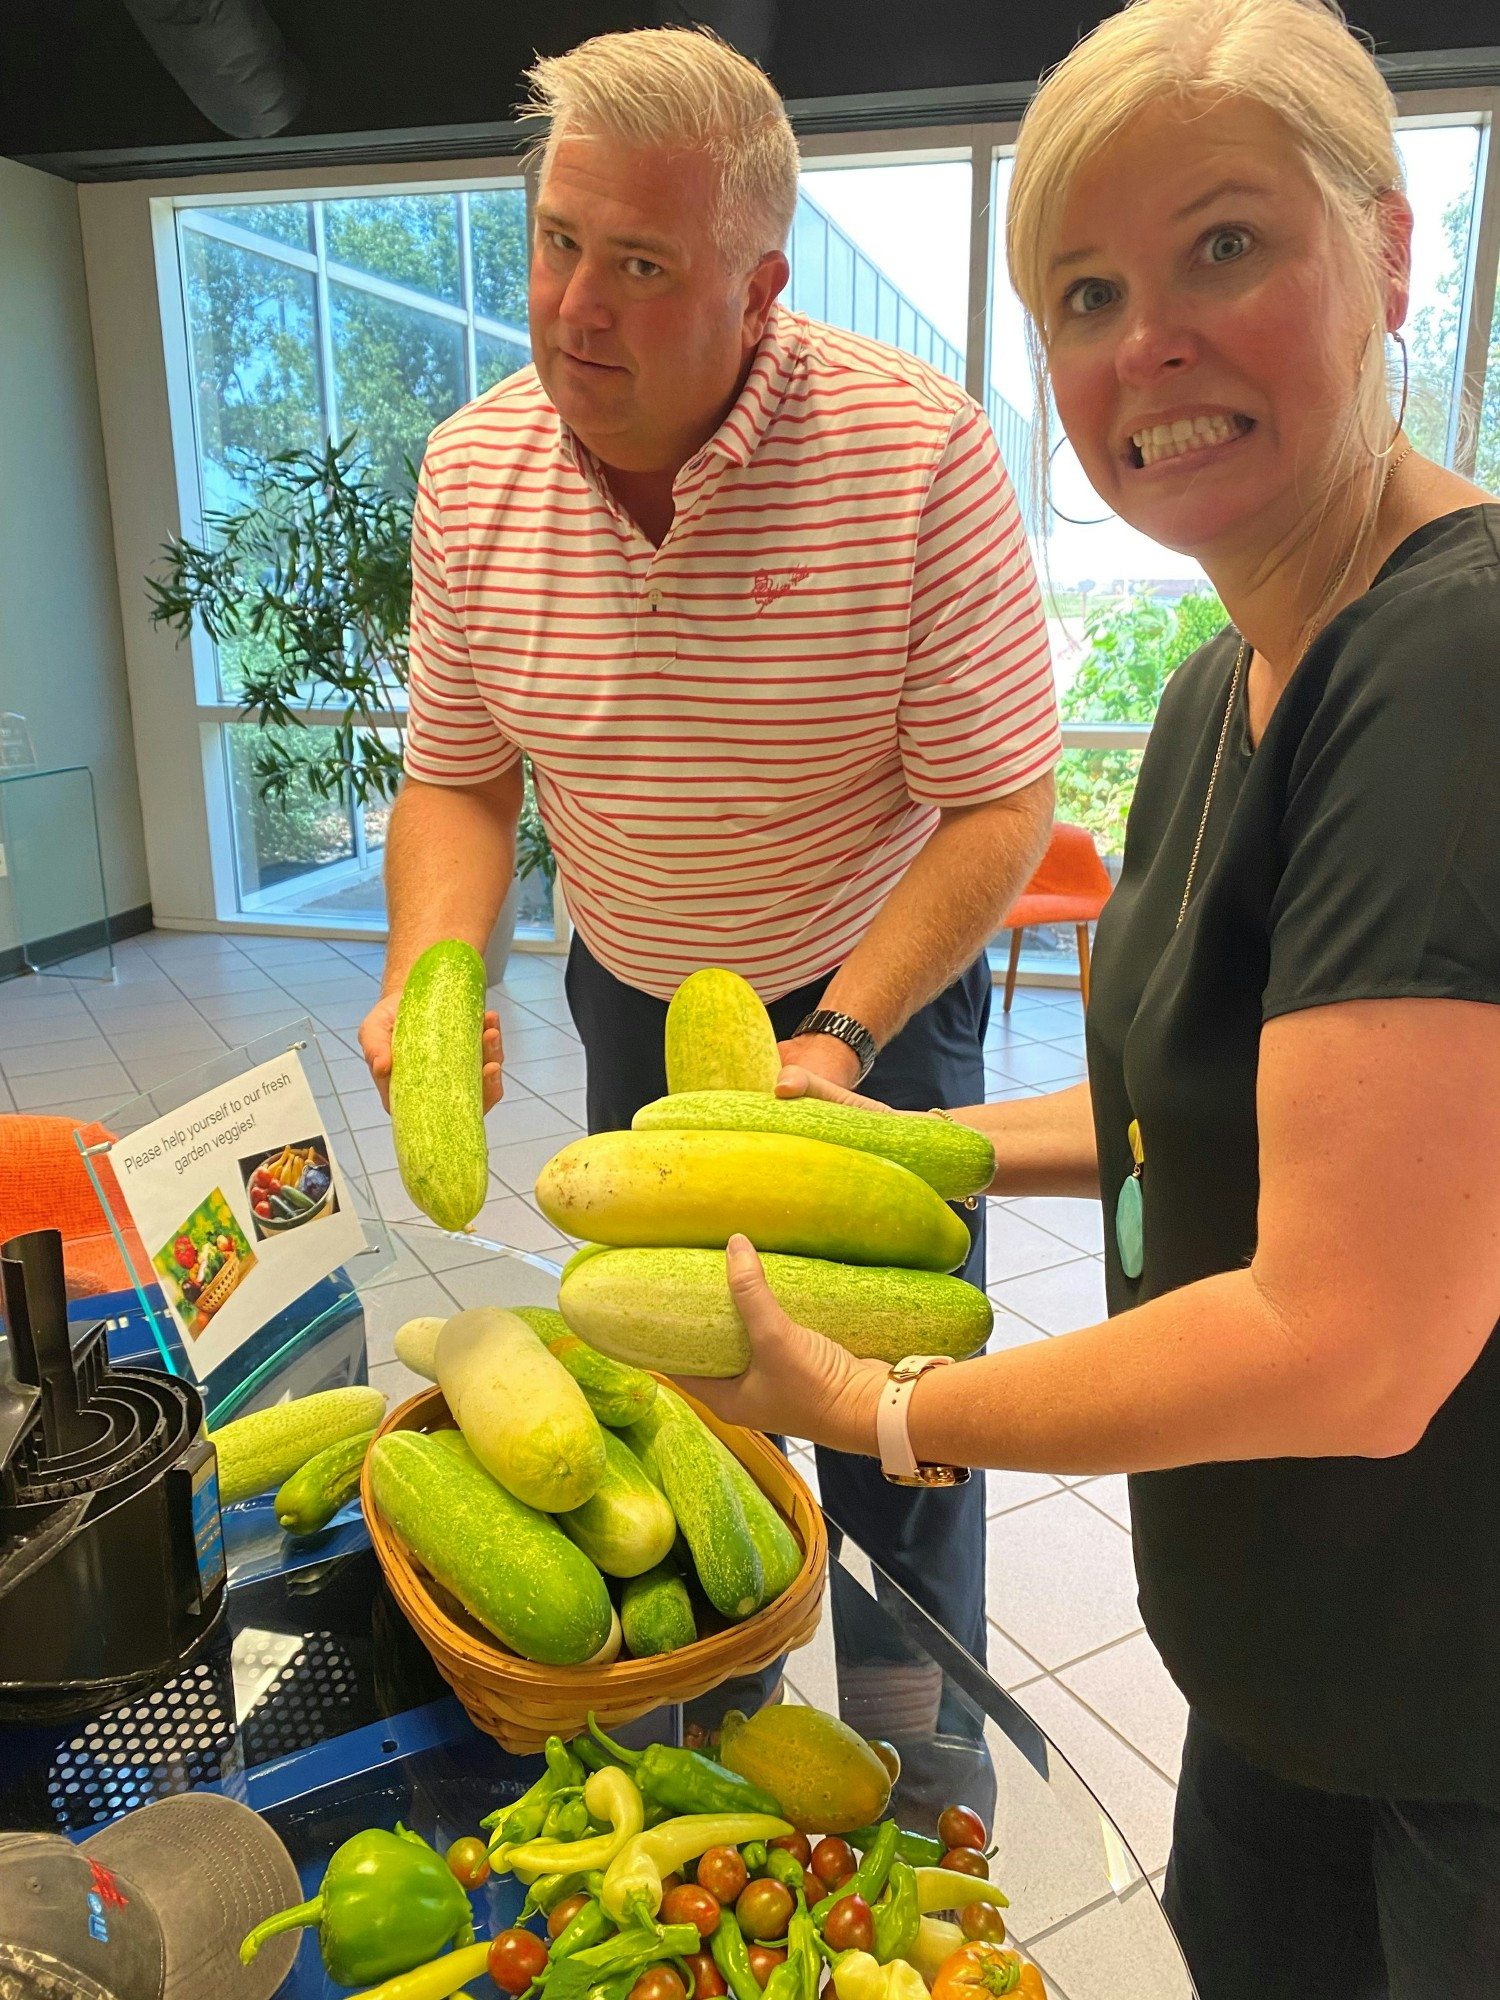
<point x="843" y="1028"/>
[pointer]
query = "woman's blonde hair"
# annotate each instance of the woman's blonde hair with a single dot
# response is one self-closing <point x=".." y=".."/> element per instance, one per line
<point x="684" y="89"/>
<point x="1300" y="60"/>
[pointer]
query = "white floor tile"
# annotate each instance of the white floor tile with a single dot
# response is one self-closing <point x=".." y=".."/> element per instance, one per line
<point x="1059" y="1299"/>
<point x="1015" y="1246"/>
<point x="552" y="1075"/>
<point x="388" y="1307"/>
<point x="398" y="1383"/>
<point x="1134" y="1793"/>
<point x="519" y="1164"/>
<point x="501" y="1281"/>
<point x="24" y="1026"/>
<point x="1111" y="1493"/>
<point x="507" y="1220"/>
<point x="1078" y="1222"/>
<point x="538" y="1043"/>
<point x="102" y="1084"/>
<point x="527" y="1117"/>
<point x="1123" y="1948"/>
<point x="1060" y="1578"/>
<point x="1010" y="1330"/>
<point x="1005" y="1663"/>
<point x="55" y="1058"/>
<point x="1039" y="1063"/>
<point x="1005" y="1490"/>
<point x="573" y="1104"/>
<point x="1128" y="1686"/>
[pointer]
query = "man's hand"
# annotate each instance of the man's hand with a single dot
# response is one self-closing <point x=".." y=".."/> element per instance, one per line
<point x="823" y="1056"/>
<point x="375" y="1040"/>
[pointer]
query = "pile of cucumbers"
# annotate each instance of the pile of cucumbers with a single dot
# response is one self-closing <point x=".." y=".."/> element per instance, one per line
<point x="849" y="1208"/>
<point x="578" y="1507"/>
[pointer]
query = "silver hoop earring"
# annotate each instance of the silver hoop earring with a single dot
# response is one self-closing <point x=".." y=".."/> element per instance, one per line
<point x="1101" y="521"/>
<point x="1400" y="340"/>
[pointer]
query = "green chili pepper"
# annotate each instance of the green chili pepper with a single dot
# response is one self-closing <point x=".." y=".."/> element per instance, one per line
<point x="686" y="1781"/>
<point x="622" y="1956"/>
<point x="546" y="1892"/>
<point x="593" y="1755"/>
<point x="590" y="1926"/>
<point x="897" y="1919"/>
<point x="914" y="1848"/>
<point x="613" y="1989"/>
<point x="798" y="1977"/>
<point x="387" y="1904"/>
<point x="567" y="1819"/>
<point x="869" y="1877"/>
<point x="656" y="1812"/>
<point x="785" y="1868"/>
<point x="611" y="1796"/>
<point x="753" y="1854"/>
<point x="732" y="1957"/>
<point x="523" y="1820"/>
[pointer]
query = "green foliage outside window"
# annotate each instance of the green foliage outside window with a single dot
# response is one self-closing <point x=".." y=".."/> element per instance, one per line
<point x="1134" y="644"/>
<point x="1433" y="345"/>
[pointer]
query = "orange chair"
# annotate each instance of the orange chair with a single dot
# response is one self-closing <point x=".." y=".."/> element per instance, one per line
<point x="1071" y="886"/>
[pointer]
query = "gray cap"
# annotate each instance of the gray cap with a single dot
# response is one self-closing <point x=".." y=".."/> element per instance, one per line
<point x="151" y="1908"/>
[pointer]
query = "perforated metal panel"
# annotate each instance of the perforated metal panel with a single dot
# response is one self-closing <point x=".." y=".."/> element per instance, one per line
<point x="294" y="1692"/>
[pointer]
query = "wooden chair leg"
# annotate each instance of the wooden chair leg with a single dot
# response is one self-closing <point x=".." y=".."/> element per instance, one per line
<point x="1010" y="970"/>
<point x="1083" y="964"/>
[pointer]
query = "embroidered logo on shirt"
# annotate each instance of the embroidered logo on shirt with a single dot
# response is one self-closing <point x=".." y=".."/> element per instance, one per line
<point x="770" y="584"/>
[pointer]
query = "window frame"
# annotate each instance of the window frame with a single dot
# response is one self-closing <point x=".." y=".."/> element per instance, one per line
<point x="891" y="144"/>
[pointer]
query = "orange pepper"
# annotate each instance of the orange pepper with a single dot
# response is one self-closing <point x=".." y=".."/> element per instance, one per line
<point x="981" y="1969"/>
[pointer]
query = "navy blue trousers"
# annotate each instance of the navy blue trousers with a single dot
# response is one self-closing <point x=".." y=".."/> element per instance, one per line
<point x="1278" y="1892"/>
<point x="930" y="1541"/>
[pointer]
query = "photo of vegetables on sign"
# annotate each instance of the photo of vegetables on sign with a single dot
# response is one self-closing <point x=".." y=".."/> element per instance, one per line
<point x="291" y="1186"/>
<point x="224" y="1184"/>
<point x="207" y="1257"/>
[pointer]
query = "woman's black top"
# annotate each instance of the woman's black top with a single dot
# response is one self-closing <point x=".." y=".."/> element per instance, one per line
<point x="1337" y="1618"/>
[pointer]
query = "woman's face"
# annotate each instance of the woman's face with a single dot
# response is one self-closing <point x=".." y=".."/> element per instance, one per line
<point x="1205" y="327"/>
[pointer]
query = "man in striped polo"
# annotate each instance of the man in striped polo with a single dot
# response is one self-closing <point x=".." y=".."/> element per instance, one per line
<point x="754" y="596"/>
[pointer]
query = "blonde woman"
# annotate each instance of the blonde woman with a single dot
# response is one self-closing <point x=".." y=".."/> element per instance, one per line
<point x="1293" y="1114"/>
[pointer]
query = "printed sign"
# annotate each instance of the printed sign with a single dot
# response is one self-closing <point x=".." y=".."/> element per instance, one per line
<point x="241" y="1203"/>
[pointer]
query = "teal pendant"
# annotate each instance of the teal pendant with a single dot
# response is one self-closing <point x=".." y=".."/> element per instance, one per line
<point x="1130" y="1227"/>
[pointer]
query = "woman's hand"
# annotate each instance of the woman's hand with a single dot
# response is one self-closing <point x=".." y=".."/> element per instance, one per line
<point x="798" y="1381"/>
<point x="796" y="1082"/>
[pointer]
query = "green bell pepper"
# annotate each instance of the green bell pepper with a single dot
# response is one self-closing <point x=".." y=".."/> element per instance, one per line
<point x="387" y="1903"/>
<point x="685" y="1781"/>
<point x="898" y="1918"/>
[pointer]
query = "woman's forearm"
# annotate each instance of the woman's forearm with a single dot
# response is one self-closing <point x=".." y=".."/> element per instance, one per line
<point x="1043" y="1145"/>
<point x="1211" y="1371"/>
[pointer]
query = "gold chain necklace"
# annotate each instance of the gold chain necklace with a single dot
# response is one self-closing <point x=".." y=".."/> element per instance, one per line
<point x="1234" y="688"/>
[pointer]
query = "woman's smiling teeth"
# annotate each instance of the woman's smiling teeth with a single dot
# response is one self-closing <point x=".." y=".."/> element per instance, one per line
<point x="1184" y="435"/>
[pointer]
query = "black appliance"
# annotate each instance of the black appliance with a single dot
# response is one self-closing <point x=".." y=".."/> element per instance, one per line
<point x="111" y="1548"/>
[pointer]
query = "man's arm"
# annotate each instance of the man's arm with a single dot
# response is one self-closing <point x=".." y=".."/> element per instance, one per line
<point x="935" y="922"/>
<point x="450" y="853"/>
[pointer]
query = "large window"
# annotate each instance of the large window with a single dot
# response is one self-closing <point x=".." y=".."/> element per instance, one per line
<point x="384" y="310"/>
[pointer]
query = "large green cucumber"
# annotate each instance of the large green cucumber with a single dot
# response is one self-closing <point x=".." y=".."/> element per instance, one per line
<point x="508" y="1565"/>
<point x="780" y="1555"/>
<point x="437" y="1091"/>
<point x="258" y="1452"/>
<point x="712" y="1521"/>
<point x="719" y="1035"/>
<point x="954" y="1160"/>
<point x="626" y="1527"/>
<point x="617" y="1395"/>
<point x="800" y="1196"/>
<point x="671" y="1309"/>
<point x="656" y="1613"/>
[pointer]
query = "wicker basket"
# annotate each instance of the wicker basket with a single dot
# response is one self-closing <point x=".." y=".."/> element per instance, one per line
<point x="521" y="1703"/>
<point x="220" y="1285"/>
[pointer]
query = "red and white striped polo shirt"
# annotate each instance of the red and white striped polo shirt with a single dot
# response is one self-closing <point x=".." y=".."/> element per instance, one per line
<point x="742" y="738"/>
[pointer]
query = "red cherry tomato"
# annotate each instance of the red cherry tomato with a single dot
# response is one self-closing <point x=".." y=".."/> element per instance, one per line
<point x="889" y="1755"/>
<point x="982" y="1920"/>
<point x="516" y="1958"/>
<point x="469" y="1860"/>
<point x="833" y="1861"/>
<point x="708" y="1981"/>
<point x="966" y="1861"/>
<point x="659" y="1982"/>
<point x="959" y="1827"/>
<point x="723" y="1873"/>
<point x="764" y="1909"/>
<point x="850" y="1925"/>
<point x="794" y="1843"/>
<point x="691" y="1904"/>
<point x="564" y="1912"/>
<point x="764" y="1961"/>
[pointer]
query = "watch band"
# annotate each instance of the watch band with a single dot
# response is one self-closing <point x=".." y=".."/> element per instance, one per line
<point x="898" y="1461"/>
<point x="843" y="1028"/>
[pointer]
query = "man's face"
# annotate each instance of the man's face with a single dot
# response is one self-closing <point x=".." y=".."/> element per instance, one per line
<point x="639" y="332"/>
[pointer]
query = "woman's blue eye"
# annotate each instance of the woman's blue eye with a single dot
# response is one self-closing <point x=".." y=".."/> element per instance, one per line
<point x="1224" y="245"/>
<point x="1089" y="295"/>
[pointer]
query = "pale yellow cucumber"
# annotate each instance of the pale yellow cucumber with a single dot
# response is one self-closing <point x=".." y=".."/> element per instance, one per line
<point x="671" y="1309"/>
<point x="719" y="1035"/>
<point x="801" y="1196"/>
<point x="523" y="1415"/>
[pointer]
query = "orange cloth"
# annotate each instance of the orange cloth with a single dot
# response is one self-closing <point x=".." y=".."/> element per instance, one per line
<point x="44" y="1184"/>
<point x="1071" y="886"/>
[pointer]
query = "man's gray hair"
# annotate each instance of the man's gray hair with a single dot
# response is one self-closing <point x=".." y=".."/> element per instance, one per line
<point x="684" y="90"/>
